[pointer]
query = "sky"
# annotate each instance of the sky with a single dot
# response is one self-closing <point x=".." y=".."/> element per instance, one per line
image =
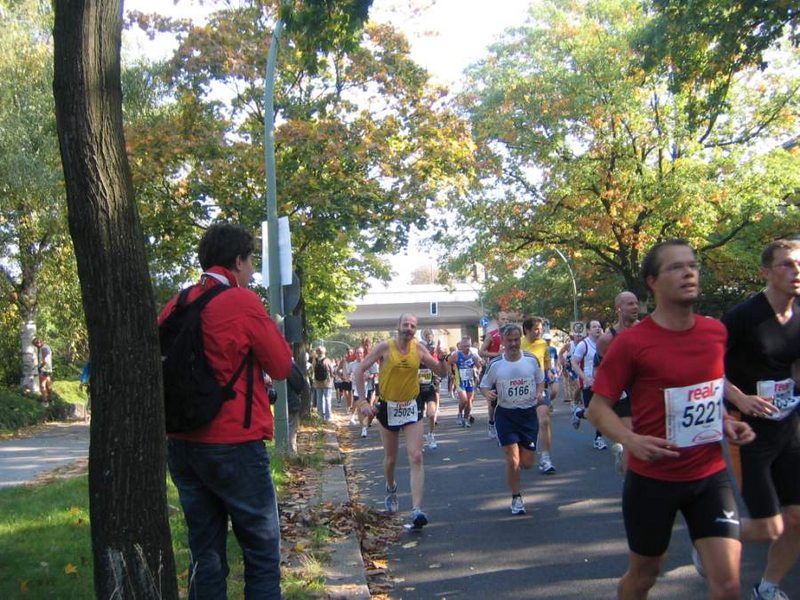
<point x="445" y="37"/>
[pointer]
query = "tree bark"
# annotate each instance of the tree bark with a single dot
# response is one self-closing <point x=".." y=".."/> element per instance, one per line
<point x="131" y="540"/>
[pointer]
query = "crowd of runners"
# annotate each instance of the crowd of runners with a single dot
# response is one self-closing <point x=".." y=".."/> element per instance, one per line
<point x="673" y="393"/>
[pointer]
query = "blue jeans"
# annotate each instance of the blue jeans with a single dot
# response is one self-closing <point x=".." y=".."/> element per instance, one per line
<point x="323" y="398"/>
<point x="217" y="481"/>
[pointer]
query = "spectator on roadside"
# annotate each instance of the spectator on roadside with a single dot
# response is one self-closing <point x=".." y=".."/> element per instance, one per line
<point x="44" y="361"/>
<point x="322" y="371"/>
<point x="221" y="469"/>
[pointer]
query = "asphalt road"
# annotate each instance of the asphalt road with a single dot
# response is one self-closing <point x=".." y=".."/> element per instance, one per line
<point x="53" y="445"/>
<point x="570" y="544"/>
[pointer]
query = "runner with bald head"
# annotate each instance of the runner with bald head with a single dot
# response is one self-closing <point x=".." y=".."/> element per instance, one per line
<point x="626" y="306"/>
<point x="400" y="407"/>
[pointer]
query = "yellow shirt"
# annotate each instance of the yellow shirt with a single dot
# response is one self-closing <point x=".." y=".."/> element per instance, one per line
<point x="399" y="375"/>
<point x="539" y="348"/>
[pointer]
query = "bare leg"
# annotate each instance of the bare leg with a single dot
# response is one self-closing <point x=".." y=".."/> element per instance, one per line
<point x="640" y="576"/>
<point x="721" y="558"/>
<point x="414" y="440"/>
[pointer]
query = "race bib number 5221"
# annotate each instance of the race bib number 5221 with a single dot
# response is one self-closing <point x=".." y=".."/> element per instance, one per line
<point x="694" y="414"/>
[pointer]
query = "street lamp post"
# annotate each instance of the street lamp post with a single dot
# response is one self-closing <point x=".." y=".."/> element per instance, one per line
<point x="574" y="284"/>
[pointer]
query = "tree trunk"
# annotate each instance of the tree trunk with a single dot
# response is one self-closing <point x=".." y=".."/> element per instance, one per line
<point x="30" y="375"/>
<point x="127" y="458"/>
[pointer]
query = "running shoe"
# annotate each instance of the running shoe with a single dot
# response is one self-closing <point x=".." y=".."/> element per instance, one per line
<point x="517" y="506"/>
<point x="363" y="432"/>
<point x="432" y="442"/>
<point x="468" y="422"/>
<point x="546" y="467"/>
<point x="353" y="419"/>
<point x="576" y="420"/>
<point x="773" y="594"/>
<point x="600" y="443"/>
<point x="617" y="450"/>
<point x="471" y="419"/>
<point x="491" y="431"/>
<point x="460" y="421"/>
<point x="697" y="562"/>
<point x="418" y="519"/>
<point x="391" y="503"/>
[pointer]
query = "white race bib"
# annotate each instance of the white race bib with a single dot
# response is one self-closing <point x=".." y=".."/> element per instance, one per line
<point x="401" y="413"/>
<point x="425" y="376"/>
<point x="519" y="392"/>
<point x="465" y="375"/>
<point x="694" y="414"/>
<point x="780" y="392"/>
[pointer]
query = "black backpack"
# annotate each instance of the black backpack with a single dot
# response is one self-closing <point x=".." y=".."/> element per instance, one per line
<point x="192" y="395"/>
<point x="320" y="370"/>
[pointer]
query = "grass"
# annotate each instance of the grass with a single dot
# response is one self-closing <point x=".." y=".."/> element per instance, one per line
<point x="19" y="410"/>
<point x="45" y="541"/>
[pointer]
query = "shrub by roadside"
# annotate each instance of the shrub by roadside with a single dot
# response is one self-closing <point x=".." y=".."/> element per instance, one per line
<point x="18" y="410"/>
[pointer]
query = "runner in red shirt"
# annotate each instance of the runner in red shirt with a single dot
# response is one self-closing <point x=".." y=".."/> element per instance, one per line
<point x="673" y="364"/>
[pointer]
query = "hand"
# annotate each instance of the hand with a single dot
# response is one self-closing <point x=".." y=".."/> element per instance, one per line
<point x="489" y="394"/>
<point x="738" y="432"/>
<point x="649" y="448"/>
<point x="756" y="406"/>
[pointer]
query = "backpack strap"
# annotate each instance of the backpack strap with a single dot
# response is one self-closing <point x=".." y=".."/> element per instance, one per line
<point x="227" y="391"/>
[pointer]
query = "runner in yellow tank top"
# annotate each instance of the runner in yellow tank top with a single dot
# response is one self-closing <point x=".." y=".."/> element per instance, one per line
<point x="398" y="408"/>
<point x="533" y="343"/>
<point x="399" y="375"/>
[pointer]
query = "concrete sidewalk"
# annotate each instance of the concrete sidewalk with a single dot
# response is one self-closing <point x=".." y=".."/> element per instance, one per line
<point x="53" y="445"/>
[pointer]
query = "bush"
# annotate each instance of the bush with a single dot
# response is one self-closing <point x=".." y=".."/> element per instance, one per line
<point x="18" y="409"/>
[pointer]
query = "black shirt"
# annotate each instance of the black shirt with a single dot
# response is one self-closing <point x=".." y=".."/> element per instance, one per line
<point x="759" y="347"/>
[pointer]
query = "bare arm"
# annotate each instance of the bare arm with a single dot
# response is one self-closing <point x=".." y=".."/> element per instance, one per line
<point x="644" y="447"/>
<point x="603" y="342"/>
<point x="427" y="359"/>
<point x="752" y="406"/>
<point x="370" y="359"/>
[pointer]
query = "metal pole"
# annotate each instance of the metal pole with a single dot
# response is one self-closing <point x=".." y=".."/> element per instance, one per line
<point x="281" y="426"/>
<point x="574" y="284"/>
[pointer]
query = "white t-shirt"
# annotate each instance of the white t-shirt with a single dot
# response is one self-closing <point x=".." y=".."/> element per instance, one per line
<point x="585" y="351"/>
<point x="514" y="381"/>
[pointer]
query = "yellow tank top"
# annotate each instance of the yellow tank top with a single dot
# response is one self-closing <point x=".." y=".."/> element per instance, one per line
<point x="538" y="348"/>
<point x="399" y="375"/>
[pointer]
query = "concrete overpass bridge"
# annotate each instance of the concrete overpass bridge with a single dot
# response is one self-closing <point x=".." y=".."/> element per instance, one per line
<point x="457" y="311"/>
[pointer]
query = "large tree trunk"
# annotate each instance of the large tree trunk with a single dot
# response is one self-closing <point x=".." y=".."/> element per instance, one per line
<point x="127" y="473"/>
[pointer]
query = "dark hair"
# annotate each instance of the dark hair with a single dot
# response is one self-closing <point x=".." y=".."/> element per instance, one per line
<point x="768" y="253"/>
<point x="222" y="244"/>
<point x="529" y="322"/>
<point x="651" y="264"/>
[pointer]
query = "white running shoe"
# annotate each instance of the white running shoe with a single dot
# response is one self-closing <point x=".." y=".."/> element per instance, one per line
<point x="600" y="443"/>
<point x="773" y="594"/>
<point x="363" y="432"/>
<point x="491" y="431"/>
<point x="353" y="419"/>
<point x="617" y="450"/>
<point x="432" y="442"/>
<point x="546" y="467"/>
<point x="517" y="506"/>
<point x="390" y="502"/>
<point x="576" y="420"/>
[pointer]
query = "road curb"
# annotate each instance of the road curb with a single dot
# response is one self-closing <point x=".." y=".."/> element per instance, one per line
<point x="345" y="573"/>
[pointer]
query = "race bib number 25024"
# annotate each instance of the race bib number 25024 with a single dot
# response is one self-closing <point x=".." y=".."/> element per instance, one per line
<point x="401" y="413"/>
<point x="694" y="414"/>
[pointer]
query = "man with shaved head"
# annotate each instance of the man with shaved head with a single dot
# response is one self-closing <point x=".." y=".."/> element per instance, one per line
<point x="626" y="306"/>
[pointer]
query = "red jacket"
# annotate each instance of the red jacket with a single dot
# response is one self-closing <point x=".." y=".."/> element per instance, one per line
<point x="233" y="323"/>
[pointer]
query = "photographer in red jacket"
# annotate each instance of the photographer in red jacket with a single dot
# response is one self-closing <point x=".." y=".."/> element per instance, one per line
<point x="221" y="470"/>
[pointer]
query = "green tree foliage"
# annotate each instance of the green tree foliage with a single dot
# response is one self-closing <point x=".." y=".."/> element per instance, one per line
<point x="36" y="273"/>
<point x="584" y="150"/>
<point x="704" y="43"/>
<point x="364" y="144"/>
